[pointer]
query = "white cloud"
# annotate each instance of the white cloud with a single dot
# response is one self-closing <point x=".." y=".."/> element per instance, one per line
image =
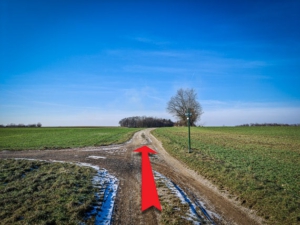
<point x="147" y="40"/>
<point x="155" y="69"/>
<point x="238" y="116"/>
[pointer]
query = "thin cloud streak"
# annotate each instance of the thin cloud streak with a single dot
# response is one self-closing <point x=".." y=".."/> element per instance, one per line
<point x="150" y="40"/>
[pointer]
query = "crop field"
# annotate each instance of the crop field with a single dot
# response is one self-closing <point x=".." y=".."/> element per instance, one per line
<point x="59" y="138"/>
<point x="259" y="166"/>
<point x="35" y="192"/>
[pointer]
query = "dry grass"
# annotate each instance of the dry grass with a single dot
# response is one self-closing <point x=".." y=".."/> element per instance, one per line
<point x="173" y="210"/>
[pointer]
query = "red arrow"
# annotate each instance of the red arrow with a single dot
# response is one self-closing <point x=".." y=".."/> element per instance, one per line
<point x="149" y="192"/>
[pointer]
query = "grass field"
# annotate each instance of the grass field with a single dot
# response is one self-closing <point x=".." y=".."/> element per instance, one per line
<point x="35" y="192"/>
<point x="58" y="138"/>
<point x="259" y="166"/>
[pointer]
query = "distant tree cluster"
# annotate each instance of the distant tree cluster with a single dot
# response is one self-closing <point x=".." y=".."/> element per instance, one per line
<point x="143" y="121"/>
<point x="267" y="125"/>
<point x="22" y="125"/>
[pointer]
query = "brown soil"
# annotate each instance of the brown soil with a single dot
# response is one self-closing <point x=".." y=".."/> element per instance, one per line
<point x="122" y="162"/>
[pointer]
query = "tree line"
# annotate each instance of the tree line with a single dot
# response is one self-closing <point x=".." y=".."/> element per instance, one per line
<point x="143" y="121"/>
<point x="22" y="125"/>
<point x="267" y="125"/>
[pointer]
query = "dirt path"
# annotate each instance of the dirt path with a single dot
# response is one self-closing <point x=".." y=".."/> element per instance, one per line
<point x="122" y="162"/>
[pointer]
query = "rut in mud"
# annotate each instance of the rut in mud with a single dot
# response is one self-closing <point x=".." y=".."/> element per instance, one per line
<point x="185" y="196"/>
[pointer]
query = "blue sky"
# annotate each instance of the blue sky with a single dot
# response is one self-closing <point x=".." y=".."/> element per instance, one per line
<point x="65" y="63"/>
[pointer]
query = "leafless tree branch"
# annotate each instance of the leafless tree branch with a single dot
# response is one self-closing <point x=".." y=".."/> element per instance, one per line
<point x="179" y="104"/>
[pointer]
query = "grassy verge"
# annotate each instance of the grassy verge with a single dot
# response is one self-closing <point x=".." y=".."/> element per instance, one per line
<point x="173" y="210"/>
<point x="260" y="165"/>
<point x="58" y="138"/>
<point x="34" y="192"/>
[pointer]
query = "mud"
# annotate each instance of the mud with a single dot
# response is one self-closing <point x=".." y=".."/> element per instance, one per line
<point x="125" y="165"/>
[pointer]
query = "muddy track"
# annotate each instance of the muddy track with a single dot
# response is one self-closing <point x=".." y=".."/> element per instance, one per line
<point x="122" y="162"/>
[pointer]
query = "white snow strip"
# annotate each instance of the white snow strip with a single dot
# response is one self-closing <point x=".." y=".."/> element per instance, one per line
<point x="211" y="213"/>
<point x="30" y="159"/>
<point x="192" y="216"/>
<point x="176" y="190"/>
<point x="88" y="165"/>
<point x="113" y="148"/>
<point x="96" y="157"/>
<point x="170" y="185"/>
<point x="110" y="183"/>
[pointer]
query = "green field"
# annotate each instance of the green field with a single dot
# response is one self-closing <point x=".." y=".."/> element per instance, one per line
<point x="35" y="192"/>
<point x="259" y="166"/>
<point x="59" y="138"/>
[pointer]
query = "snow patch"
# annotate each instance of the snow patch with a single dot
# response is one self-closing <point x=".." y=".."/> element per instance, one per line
<point x="107" y="186"/>
<point x="113" y="148"/>
<point x="96" y="157"/>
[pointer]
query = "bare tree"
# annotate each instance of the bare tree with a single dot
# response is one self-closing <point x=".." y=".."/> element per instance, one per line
<point x="179" y="104"/>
